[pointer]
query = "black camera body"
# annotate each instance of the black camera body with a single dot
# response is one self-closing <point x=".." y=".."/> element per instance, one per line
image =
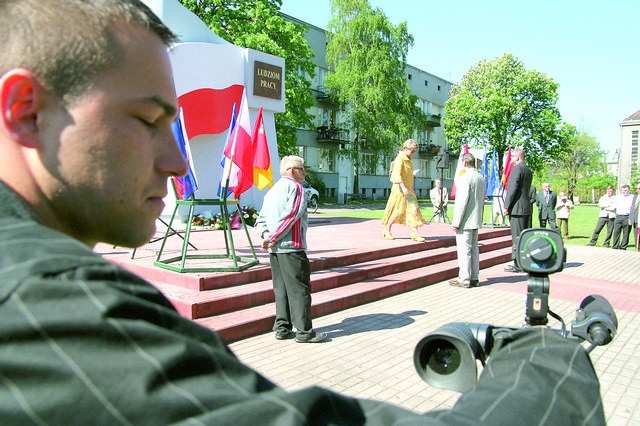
<point x="540" y="251"/>
<point x="447" y="358"/>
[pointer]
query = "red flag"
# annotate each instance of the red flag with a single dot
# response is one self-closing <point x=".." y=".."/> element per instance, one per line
<point x="459" y="170"/>
<point x="207" y="110"/>
<point x="507" y="166"/>
<point x="262" y="173"/>
<point x="239" y="150"/>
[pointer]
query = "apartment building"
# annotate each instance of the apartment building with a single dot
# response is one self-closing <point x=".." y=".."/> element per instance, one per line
<point x="320" y="146"/>
<point x="629" y="158"/>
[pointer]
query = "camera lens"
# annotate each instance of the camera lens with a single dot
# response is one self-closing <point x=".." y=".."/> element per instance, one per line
<point x="442" y="357"/>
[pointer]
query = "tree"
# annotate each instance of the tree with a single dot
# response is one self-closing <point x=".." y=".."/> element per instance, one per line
<point x="367" y="55"/>
<point x="499" y="104"/>
<point x="579" y="163"/>
<point x="256" y="24"/>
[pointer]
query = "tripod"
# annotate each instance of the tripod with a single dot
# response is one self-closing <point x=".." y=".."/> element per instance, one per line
<point x="440" y="210"/>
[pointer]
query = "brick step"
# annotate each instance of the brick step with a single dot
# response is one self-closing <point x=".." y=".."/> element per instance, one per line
<point x="193" y="304"/>
<point x="248" y="322"/>
<point x="261" y="272"/>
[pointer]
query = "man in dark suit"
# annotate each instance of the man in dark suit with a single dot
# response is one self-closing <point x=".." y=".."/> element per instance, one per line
<point x="546" y="201"/>
<point x="517" y="204"/>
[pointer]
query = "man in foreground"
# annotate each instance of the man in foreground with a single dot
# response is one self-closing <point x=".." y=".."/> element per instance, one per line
<point x="467" y="219"/>
<point x="517" y="205"/>
<point x="86" y="104"/>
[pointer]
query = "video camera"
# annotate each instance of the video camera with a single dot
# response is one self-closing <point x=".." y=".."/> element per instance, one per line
<point x="447" y="358"/>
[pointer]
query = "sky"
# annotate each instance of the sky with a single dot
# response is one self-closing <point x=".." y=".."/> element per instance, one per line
<point x="590" y="48"/>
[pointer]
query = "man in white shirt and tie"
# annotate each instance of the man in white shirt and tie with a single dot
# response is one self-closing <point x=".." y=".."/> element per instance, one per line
<point x="622" y="223"/>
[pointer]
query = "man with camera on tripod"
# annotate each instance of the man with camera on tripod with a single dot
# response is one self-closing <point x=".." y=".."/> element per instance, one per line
<point x="439" y="198"/>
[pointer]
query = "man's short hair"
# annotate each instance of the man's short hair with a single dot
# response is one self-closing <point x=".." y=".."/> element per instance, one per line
<point x="469" y="160"/>
<point x="518" y="153"/>
<point x="67" y="43"/>
<point x="290" y="161"/>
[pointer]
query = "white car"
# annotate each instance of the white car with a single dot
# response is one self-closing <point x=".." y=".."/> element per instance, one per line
<point x="312" y="195"/>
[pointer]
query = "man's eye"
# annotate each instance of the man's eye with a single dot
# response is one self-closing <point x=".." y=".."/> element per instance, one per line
<point x="147" y="122"/>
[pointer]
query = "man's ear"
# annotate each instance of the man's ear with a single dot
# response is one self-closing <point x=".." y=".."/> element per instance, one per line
<point x="21" y="97"/>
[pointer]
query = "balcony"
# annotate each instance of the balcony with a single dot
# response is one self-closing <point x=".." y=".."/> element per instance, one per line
<point x="323" y="95"/>
<point x="433" y="120"/>
<point x="332" y="134"/>
<point x="428" y="149"/>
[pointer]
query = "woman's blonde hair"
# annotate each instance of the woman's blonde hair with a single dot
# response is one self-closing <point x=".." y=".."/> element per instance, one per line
<point x="410" y="144"/>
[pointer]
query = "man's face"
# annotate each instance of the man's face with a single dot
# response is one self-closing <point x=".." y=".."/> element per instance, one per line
<point x="609" y="192"/>
<point x="108" y="154"/>
<point x="297" y="172"/>
<point x="625" y="190"/>
<point x="545" y="187"/>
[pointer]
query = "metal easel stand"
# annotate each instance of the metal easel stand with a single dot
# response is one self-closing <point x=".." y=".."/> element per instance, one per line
<point x="239" y="263"/>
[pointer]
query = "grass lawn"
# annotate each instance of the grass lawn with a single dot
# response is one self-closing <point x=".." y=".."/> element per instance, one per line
<point x="582" y="220"/>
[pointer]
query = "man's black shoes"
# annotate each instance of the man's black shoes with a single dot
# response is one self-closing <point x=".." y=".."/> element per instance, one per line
<point x="315" y="338"/>
<point x="285" y="334"/>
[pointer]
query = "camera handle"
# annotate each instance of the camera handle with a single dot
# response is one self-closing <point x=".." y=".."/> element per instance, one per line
<point x="537" y="300"/>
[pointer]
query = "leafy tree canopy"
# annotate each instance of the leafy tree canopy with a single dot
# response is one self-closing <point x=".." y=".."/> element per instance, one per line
<point x="367" y="56"/>
<point x="256" y="24"/>
<point x="580" y="163"/>
<point x="499" y="104"/>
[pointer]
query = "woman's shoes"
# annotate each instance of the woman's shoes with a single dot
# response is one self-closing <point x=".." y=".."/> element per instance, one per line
<point x="416" y="237"/>
<point x="387" y="234"/>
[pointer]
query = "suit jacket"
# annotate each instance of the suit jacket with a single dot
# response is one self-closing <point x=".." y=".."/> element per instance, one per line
<point x="547" y="209"/>
<point x="635" y="206"/>
<point x="517" y="202"/>
<point x="469" y="205"/>
<point x="435" y="197"/>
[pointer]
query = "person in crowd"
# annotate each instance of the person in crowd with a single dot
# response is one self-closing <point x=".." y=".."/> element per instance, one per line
<point x="606" y="216"/>
<point x="546" y="201"/>
<point x="533" y="193"/>
<point x="402" y="205"/>
<point x="563" y="209"/>
<point x="467" y="219"/>
<point x="518" y="203"/>
<point x="87" y="100"/>
<point x="635" y="210"/>
<point x="497" y="208"/>
<point x="622" y="222"/>
<point x="439" y="199"/>
<point x="282" y="225"/>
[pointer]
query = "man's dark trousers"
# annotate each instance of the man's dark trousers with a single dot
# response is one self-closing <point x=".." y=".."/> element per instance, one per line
<point x="621" y="226"/>
<point x="291" y="274"/>
<point x="517" y="224"/>
<point x="602" y="221"/>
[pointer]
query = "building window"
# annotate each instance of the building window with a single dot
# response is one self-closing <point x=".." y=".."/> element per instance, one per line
<point x="327" y="161"/>
<point x="438" y="87"/>
<point x="368" y="164"/>
<point x="408" y="76"/>
<point x="426" y="82"/>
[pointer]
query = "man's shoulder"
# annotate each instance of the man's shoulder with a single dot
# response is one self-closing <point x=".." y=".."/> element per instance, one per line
<point x="29" y="248"/>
